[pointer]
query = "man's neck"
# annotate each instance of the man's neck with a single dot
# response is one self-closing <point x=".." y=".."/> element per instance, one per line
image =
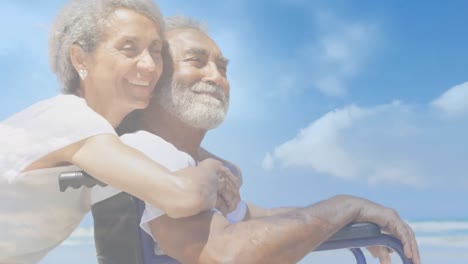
<point x="165" y="125"/>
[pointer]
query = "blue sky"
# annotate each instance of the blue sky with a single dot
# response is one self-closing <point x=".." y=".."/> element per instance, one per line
<point x="365" y="98"/>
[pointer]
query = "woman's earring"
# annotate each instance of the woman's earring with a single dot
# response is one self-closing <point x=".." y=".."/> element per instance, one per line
<point x="83" y="73"/>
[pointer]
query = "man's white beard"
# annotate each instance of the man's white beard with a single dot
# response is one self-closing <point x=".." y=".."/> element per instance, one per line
<point x="197" y="110"/>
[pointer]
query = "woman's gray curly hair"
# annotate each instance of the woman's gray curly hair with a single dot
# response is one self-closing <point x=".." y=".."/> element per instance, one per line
<point x="80" y="22"/>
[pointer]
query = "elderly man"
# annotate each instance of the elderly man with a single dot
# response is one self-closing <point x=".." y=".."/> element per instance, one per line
<point x="192" y="98"/>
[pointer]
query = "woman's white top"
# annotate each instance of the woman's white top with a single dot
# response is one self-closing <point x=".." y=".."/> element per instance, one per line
<point x="169" y="156"/>
<point x="34" y="215"/>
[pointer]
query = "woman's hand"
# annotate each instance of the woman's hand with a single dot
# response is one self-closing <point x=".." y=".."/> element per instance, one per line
<point x="200" y="187"/>
<point x="228" y="192"/>
<point x="209" y="185"/>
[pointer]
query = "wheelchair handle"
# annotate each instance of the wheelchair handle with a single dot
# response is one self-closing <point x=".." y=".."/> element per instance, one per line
<point x="77" y="179"/>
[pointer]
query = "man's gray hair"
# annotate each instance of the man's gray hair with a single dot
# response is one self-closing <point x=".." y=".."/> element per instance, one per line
<point x="183" y="22"/>
<point x="81" y="22"/>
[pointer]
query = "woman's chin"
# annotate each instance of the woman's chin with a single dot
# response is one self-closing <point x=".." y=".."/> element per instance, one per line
<point x="140" y="104"/>
<point x="139" y="100"/>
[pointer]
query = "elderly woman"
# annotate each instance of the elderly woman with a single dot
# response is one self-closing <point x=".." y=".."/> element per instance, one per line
<point x="107" y="56"/>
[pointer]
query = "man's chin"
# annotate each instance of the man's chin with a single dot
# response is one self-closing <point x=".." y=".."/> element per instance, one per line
<point x="206" y="123"/>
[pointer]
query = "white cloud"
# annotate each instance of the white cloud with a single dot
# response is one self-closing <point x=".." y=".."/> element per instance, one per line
<point x="454" y="102"/>
<point x="322" y="147"/>
<point x="433" y="227"/>
<point x="337" y="53"/>
<point x="317" y="146"/>
<point x="340" y="53"/>
<point x="399" y="174"/>
<point x="396" y="143"/>
<point x="268" y="162"/>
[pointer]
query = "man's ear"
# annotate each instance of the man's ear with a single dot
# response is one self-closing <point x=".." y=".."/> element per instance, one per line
<point x="78" y="57"/>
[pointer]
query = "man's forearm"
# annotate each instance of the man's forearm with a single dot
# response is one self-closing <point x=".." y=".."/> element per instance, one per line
<point x="282" y="238"/>
<point x="254" y="211"/>
<point x="286" y="237"/>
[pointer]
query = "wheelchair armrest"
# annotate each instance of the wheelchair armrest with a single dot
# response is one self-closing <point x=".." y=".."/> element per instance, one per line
<point x="356" y="230"/>
<point x="77" y="179"/>
<point x="358" y="235"/>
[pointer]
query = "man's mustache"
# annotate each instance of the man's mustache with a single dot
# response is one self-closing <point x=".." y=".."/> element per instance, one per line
<point x="216" y="90"/>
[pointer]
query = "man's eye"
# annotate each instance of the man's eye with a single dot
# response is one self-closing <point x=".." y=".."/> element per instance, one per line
<point x="128" y="47"/>
<point x="194" y="59"/>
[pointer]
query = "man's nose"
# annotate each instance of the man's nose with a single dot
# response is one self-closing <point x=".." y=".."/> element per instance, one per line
<point x="212" y="75"/>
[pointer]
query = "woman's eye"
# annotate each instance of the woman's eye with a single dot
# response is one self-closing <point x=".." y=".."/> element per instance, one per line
<point x="129" y="50"/>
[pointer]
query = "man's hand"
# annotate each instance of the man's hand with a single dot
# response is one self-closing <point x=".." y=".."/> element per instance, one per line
<point x="382" y="253"/>
<point x="391" y="223"/>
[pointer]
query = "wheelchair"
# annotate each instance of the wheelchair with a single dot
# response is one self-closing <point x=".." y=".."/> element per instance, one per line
<point x="120" y="240"/>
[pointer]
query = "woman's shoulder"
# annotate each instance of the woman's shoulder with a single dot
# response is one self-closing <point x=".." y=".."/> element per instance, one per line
<point x="64" y="113"/>
<point x="59" y="103"/>
<point x="63" y="101"/>
<point x="73" y="112"/>
<point x="45" y="127"/>
<point x="60" y="99"/>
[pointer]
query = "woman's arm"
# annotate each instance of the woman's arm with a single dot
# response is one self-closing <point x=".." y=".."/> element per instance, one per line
<point x="183" y="193"/>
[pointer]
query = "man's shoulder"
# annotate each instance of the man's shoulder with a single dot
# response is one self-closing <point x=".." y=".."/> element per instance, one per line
<point x="158" y="149"/>
<point x="143" y="136"/>
<point x="143" y="140"/>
